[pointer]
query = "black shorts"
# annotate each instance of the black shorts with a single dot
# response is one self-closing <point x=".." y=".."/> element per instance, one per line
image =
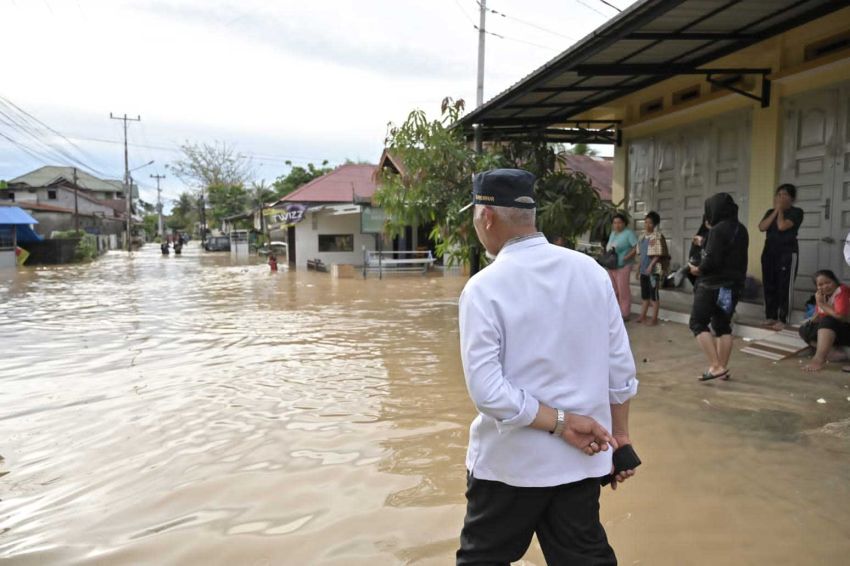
<point x="809" y="330"/>
<point x="649" y="287"/>
<point x="705" y="311"/>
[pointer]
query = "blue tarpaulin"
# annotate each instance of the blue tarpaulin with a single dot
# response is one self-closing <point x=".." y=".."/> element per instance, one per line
<point x="21" y="221"/>
<point x="15" y="215"/>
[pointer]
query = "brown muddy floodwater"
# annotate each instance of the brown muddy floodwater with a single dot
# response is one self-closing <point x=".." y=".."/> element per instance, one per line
<point x="194" y="410"/>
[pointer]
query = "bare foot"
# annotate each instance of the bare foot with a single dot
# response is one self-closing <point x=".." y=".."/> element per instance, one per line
<point x="777" y="326"/>
<point x="640" y="319"/>
<point x="814" y="365"/>
<point x="836" y="355"/>
<point x="652" y="322"/>
<point x="769" y="323"/>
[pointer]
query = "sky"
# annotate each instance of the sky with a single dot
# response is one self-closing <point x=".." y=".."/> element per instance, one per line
<point x="279" y="80"/>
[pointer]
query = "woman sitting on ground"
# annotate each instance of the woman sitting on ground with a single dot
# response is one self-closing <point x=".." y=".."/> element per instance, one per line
<point x="830" y="326"/>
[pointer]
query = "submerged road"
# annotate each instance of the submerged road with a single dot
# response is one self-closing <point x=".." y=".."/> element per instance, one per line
<point x="199" y="410"/>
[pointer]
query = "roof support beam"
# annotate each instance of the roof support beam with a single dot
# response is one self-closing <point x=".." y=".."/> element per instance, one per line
<point x="671" y="70"/>
<point x="690" y="36"/>
<point x="579" y="88"/>
<point x="660" y="70"/>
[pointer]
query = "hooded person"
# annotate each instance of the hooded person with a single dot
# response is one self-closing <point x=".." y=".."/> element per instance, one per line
<point x="721" y="274"/>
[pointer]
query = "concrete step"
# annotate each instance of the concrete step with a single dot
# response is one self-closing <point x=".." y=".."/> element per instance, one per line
<point x="676" y="307"/>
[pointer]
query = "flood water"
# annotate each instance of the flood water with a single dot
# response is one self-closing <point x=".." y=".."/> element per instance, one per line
<point x="195" y="410"/>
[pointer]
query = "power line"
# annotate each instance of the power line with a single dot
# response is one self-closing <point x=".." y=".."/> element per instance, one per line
<point x="33" y="118"/>
<point x="508" y="38"/>
<point x="527" y="23"/>
<point x="591" y="8"/>
<point x="19" y="119"/>
<point x="466" y="15"/>
<point x="611" y="5"/>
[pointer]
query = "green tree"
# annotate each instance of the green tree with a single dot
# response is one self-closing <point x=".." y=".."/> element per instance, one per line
<point x="582" y="149"/>
<point x="150" y="222"/>
<point x="226" y="200"/>
<point x="298" y="176"/>
<point x="184" y="213"/>
<point x="436" y="181"/>
<point x="212" y="165"/>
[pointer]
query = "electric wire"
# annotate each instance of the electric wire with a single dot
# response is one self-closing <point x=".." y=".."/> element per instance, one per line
<point x="526" y="23"/>
<point x="610" y="5"/>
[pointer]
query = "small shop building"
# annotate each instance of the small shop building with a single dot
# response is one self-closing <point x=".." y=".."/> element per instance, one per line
<point x="16" y="227"/>
<point x="331" y="219"/>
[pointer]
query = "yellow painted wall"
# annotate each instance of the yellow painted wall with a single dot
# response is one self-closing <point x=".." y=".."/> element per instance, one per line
<point x="791" y="75"/>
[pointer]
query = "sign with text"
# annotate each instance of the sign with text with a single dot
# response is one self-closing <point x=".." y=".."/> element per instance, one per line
<point x="291" y="215"/>
<point x="372" y="220"/>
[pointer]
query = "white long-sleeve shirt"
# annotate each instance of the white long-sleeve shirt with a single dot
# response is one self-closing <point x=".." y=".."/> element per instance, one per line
<point x="540" y="324"/>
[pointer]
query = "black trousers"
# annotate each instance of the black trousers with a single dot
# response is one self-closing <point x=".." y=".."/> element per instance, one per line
<point x="501" y="519"/>
<point x="705" y="311"/>
<point x="779" y="269"/>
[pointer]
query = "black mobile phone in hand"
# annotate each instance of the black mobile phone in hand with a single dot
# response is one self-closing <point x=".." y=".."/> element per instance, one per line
<point x="625" y="458"/>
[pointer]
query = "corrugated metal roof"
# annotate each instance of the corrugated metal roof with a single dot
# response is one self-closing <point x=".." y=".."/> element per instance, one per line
<point x="667" y="36"/>
<point x="346" y="183"/>
<point x="16" y="216"/>
<point x="50" y="174"/>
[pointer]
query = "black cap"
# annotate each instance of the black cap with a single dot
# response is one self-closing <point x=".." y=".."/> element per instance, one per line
<point x="503" y="187"/>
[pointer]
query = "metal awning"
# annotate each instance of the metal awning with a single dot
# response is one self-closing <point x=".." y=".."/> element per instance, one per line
<point x="649" y="42"/>
<point x="15" y="216"/>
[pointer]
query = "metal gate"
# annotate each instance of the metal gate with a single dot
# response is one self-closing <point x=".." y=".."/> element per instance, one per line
<point x="816" y="158"/>
<point x="675" y="171"/>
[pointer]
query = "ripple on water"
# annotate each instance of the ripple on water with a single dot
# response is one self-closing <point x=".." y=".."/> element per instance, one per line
<point x="151" y="396"/>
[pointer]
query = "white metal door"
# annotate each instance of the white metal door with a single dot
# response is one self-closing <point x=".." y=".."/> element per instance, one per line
<point x="674" y="172"/>
<point x="841" y="198"/>
<point x="809" y="142"/>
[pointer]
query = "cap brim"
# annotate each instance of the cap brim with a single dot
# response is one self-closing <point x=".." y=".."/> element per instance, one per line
<point x="467" y="207"/>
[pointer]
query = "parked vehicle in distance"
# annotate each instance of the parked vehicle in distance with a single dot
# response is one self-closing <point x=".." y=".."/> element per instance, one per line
<point x="217" y="244"/>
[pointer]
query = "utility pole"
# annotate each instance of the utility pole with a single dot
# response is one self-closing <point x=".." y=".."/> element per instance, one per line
<point x="475" y="252"/>
<point x="158" y="201"/>
<point x="128" y="189"/>
<point x="479" y="93"/>
<point x="76" y="207"/>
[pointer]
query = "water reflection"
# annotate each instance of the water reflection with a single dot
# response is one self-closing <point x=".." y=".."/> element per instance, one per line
<point x="183" y="410"/>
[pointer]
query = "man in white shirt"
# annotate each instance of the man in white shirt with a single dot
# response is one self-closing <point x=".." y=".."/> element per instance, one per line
<point x="548" y="365"/>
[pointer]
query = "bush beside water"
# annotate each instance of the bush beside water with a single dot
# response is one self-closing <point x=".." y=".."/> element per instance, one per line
<point x="86" y="249"/>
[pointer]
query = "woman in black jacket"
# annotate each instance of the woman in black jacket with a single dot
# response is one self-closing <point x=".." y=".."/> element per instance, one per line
<point x="721" y="273"/>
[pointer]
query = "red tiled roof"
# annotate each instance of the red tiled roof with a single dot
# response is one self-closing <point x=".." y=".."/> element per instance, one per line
<point x="340" y="185"/>
<point x="599" y="170"/>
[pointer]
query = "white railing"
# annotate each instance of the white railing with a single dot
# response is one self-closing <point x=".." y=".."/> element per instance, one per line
<point x="391" y="261"/>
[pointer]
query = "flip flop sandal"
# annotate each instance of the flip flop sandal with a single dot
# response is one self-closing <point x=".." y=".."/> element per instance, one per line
<point x="708" y="376"/>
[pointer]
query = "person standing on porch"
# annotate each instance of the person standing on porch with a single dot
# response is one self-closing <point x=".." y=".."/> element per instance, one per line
<point x="653" y="258"/>
<point x="779" y="258"/>
<point x="549" y="378"/>
<point x="624" y="241"/>
<point x="721" y="274"/>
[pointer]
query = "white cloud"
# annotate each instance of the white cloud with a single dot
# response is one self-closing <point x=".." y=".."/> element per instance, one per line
<point x="282" y="79"/>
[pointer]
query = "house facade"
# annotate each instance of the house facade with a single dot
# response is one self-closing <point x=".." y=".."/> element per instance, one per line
<point x="61" y="198"/>
<point x="328" y="219"/>
<point x="699" y="98"/>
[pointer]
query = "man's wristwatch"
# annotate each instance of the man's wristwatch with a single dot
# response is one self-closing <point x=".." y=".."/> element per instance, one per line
<point x="559" y="425"/>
